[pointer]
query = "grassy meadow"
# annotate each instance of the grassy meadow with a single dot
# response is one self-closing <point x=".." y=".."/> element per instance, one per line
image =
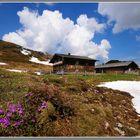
<point x="68" y="105"/>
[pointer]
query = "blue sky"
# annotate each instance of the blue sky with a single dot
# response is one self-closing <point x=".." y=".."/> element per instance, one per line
<point x="122" y="34"/>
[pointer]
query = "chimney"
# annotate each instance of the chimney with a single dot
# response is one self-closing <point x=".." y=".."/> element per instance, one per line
<point x="68" y="53"/>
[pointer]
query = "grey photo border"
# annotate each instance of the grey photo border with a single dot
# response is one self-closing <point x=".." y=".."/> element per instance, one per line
<point x="71" y="1"/>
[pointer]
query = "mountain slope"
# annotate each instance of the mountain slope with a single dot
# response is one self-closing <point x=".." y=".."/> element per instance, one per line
<point x="12" y="52"/>
<point x="16" y="56"/>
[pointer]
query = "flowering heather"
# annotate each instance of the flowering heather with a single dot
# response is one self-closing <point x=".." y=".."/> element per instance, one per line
<point x="33" y="119"/>
<point x="8" y="114"/>
<point x="8" y="117"/>
<point x="21" y="120"/>
<point x="12" y="107"/>
<point x="15" y="108"/>
<point x="5" y="122"/>
<point x="19" y="108"/>
<point x="43" y="106"/>
<point x="1" y="111"/>
<point x="17" y="114"/>
<point x="17" y="123"/>
<point x="29" y="94"/>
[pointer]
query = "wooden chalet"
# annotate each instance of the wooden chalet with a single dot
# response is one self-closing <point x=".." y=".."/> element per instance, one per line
<point x="67" y="63"/>
<point x="116" y="66"/>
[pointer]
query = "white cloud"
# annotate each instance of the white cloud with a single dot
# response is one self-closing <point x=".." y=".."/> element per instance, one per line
<point x="125" y="15"/>
<point x="15" y="38"/>
<point x="52" y="33"/>
<point x="90" y="23"/>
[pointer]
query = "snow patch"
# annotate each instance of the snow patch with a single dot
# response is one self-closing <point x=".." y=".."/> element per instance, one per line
<point x="25" y="52"/>
<point x="14" y="70"/>
<point x="1" y="63"/>
<point x="133" y="87"/>
<point x="36" y="60"/>
<point x="38" y="73"/>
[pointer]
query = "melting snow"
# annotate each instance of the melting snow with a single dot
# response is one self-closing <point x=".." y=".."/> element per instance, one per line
<point x="36" y="60"/>
<point x="1" y="63"/>
<point x="25" y="52"/>
<point x="38" y="73"/>
<point x="14" y="70"/>
<point x="133" y="87"/>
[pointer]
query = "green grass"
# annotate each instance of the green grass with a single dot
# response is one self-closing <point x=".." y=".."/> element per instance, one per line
<point x="75" y="106"/>
<point x="96" y="77"/>
<point x="14" y="85"/>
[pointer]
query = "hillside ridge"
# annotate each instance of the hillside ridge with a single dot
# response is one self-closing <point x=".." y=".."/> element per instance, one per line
<point x="18" y="57"/>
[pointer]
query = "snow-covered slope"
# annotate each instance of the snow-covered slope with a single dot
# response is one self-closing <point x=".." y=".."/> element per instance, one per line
<point x="15" y="70"/>
<point x="36" y="60"/>
<point x="25" y="52"/>
<point x="1" y="63"/>
<point x="10" y="52"/>
<point x="133" y="87"/>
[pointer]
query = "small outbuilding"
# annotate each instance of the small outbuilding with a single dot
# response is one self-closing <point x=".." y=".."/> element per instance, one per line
<point x="116" y="66"/>
<point x="67" y="63"/>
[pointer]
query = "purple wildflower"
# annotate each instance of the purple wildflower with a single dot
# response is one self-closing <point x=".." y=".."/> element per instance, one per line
<point x="17" y="123"/>
<point x="21" y="121"/>
<point x="5" y="122"/>
<point x="12" y="107"/>
<point x="8" y="114"/>
<point x="20" y="111"/>
<point x="19" y="108"/>
<point x="43" y="105"/>
<point x="19" y="105"/>
<point x="1" y="111"/>
<point x="39" y="109"/>
<point x="33" y="120"/>
<point x="1" y="120"/>
<point x="29" y="94"/>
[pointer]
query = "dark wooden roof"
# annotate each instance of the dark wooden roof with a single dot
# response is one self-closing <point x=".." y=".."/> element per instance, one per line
<point x="71" y="57"/>
<point x="116" y="64"/>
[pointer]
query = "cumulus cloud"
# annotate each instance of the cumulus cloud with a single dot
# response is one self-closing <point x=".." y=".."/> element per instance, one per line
<point x="15" y="38"/>
<point x="125" y="15"/>
<point x="52" y="33"/>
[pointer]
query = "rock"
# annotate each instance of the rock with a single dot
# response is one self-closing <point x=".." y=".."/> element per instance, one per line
<point x="92" y="110"/>
<point x="138" y="121"/>
<point x="131" y="131"/>
<point x="119" y="125"/>
<point x="2" y="76"/>
<point x="120" y="106"/>
<point x="123" y="102"/>
<point x="106" y="125"/>
<point x="132" y="128"/>
<point x="96" y="91"/>
<point x="126" y="111"/>
<point x="122" y="133"/>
